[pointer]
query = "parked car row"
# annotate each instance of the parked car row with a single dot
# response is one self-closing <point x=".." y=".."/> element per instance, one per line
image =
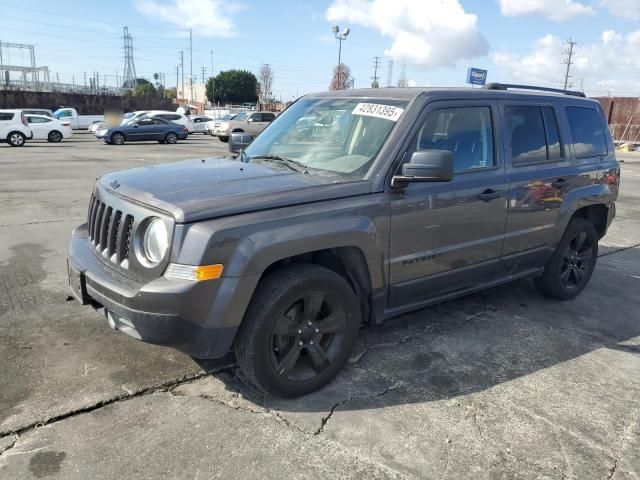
<point x="17" y="126"/>
<point x="244" y="122"/>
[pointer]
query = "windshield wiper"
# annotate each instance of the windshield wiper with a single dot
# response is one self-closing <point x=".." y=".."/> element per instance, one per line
<point x="292" y="164"/>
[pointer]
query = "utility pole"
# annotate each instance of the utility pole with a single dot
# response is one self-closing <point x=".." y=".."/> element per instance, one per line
<point x="182" y="70"/>
<point x="340" y="37"/>
<point x="376" y="63"/>
<point x="177" y="79"/>
<point x="203" y="70"/>
<point x="567" y="61"/>
<point x="390" y="74"/>
<point x="191" y="70"/>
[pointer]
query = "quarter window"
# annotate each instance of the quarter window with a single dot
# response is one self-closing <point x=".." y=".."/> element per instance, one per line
<point x="6" y="116"/>
<point x="467" y="132"/>
<point x="589" y="139"/>
<point x="534" y="134"/>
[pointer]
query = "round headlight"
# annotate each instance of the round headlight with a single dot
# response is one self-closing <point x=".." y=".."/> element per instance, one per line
<point x="156" y="241"/>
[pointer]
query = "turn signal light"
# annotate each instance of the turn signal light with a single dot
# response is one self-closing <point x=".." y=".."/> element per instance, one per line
<point x="194" y="273"/>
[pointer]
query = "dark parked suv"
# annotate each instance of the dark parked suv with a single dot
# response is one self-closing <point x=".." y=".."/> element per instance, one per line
<point x="415" y="197"/>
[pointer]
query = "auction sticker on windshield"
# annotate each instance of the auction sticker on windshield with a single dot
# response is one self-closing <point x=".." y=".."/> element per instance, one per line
<point x="377" y="110"/>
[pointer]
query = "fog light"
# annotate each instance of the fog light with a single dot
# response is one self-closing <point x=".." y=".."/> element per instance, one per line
<point x="194" y="273"/>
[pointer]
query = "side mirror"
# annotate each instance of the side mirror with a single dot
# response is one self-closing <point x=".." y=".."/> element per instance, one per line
<point x="250" y="120"/>
<point x="239" y="140"/>
<point x="426" y="166"/>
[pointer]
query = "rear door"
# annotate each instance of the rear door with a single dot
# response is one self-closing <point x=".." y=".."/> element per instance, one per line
<point x="541" y="173"/>
<point x="447" y="237"/>
<point x="39" y="127"/>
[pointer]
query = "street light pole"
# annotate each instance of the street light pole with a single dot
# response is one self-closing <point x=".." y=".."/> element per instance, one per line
<point x="340" y="37"/>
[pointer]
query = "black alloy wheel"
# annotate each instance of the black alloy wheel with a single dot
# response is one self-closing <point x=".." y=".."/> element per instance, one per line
<point x="570" y="268"/>
<point x="298" y="331"/>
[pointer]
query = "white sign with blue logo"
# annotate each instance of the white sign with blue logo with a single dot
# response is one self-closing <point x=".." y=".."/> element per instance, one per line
<point x="476" y="76"/>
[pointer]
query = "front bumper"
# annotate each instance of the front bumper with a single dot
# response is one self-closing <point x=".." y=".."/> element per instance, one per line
<point x="197" y="318"/>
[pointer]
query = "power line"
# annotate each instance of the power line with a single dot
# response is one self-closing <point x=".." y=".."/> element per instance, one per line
<point x="567" y="61"/>
<point x="376" y="64"/>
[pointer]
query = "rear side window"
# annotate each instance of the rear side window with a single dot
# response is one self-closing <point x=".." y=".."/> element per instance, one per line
<point x="589" y="139"/>
<point x="170" y="117"/>
<point x="534" y="134"/>
<point x="6" y="116"/>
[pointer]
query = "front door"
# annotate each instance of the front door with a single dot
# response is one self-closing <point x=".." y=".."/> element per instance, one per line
<point x="447" y="237"/>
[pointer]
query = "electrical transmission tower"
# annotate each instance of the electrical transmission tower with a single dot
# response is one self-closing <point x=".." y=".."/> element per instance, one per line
<point x="567" y="61"/>
<point x="374" y="79"/>
<point x="390" y="74"/>
<point x="402" y="81"/>
<point x="129" y="66"/>
<point x="203" y="70"/>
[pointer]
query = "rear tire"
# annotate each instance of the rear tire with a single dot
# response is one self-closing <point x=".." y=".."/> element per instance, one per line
<point x="570" y="268"/>
<point x="171" y="138"/>
<point x="224" y="139"/>
<point x="298" y="331"/>
<point x="117" y="138"/>
<point x="16" y="139"/>
<point x="54" y="136"/>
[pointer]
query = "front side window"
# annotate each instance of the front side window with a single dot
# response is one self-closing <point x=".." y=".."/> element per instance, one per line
<point x="268" y="117"/>
<point x="467" y="132"/>
<point x="589" y="139"/>
<point x="337" y="137"/>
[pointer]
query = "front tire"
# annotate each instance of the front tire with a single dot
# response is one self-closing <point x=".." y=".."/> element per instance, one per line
<point x="299" y="330"/>
<point x="117" y="138"/>
<point x="570" y="268"/>
<point x="224" y="139"/>
<point x="16" y="139"/>
<point x="171" y="138"/>
<point x="54" y="136"/>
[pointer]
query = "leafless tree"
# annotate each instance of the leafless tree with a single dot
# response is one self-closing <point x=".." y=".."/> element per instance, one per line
<point x="265" y="82"/>
<point x="341" y="76"/>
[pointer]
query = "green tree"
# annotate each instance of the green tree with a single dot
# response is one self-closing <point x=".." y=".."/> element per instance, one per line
<point x="135" y="83"/>
<point x="209" y="89"/>
<point x="235" y="86"/>
<point x="145" y="90"/>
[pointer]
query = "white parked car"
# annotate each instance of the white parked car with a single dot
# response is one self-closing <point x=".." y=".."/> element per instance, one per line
<point x="199" y="123"/>
<point x="131" y="116"/>
<point x="95" y="126"/>
<point x="14" y="128"/>
<point x="50" y="129"/>
<point x="211" y="125"/>
<point x="174" y="117"/>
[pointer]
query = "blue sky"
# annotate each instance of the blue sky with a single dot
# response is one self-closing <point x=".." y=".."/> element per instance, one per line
<point x="516" y="40"/>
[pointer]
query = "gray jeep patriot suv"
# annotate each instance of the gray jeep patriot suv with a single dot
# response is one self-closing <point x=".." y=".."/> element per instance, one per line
<point x="400" y="198"/>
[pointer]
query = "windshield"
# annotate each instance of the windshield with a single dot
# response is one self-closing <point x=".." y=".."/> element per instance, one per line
<point x="241" y="116"/>
<point x="337" y="136"/>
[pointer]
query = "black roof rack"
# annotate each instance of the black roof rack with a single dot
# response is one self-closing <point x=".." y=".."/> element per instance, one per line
<point x="507" y="86"/>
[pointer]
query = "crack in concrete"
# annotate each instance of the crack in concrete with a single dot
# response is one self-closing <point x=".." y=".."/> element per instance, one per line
<point x="618" y="250"/>
<point x="612" y="470"/>
<point x="9" y="446"/>
<point x="161" y="387"/>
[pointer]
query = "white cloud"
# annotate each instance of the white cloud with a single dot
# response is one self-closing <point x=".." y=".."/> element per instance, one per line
<point x="432" y="33"/>
<point x="598" y="67"/>
<point x="211" y="18"/>
<point x="556" y="10"/>
<point x="628" y="9"/>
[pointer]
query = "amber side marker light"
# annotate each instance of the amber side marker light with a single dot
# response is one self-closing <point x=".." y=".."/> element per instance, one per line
<point x="195" y="273"/>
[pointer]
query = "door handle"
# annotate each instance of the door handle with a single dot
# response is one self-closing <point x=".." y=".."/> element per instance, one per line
<point x="560" y="183"/>
<point x="489" y="194"/>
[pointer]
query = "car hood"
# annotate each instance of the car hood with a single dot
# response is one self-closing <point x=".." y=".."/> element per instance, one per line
<point x="194" y="190"/>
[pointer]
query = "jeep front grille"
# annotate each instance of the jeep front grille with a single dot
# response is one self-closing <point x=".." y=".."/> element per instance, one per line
<point x="110" y="232"/>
